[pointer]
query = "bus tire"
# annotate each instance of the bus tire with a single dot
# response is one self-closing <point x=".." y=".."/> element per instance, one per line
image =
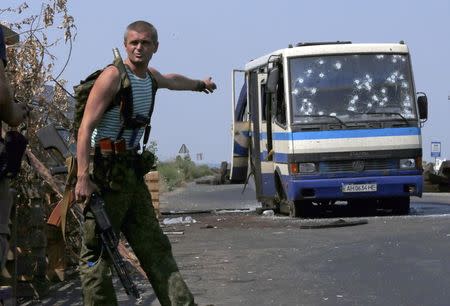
<point x="294" y="209"/>
<point x="362" y="207"/>
<point x="300" y="209"/>
<point x="401" y="206"/>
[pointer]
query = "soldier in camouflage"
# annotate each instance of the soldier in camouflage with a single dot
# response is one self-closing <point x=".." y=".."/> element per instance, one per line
<point x="13" y="114"/>
<point x="119" y="179"/>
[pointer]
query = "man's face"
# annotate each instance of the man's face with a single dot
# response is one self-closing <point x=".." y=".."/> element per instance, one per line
<point x="140" y="47"/>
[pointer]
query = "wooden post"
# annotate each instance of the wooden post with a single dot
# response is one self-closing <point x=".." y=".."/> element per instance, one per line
<point x="152" y="181"/>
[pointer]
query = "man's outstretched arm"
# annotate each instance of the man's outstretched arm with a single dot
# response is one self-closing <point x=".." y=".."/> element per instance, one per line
<point x="175" y="81"/>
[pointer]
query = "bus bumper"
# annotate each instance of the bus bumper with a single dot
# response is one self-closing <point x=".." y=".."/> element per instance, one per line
<point x="354" y="188"/>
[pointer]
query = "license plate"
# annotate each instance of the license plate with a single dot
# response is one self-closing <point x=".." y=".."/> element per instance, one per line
<point x="359" y="188"/>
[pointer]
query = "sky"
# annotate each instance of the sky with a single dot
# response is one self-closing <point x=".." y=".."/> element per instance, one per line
<point x="201" y="38"/>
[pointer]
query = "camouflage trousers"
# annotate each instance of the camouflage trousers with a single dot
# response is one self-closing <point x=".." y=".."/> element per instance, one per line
<point x="131" y="212"/>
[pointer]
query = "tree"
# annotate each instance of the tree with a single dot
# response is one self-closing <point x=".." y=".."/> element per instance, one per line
<point x="31" y="61"/>
<point x="30" y="72"/>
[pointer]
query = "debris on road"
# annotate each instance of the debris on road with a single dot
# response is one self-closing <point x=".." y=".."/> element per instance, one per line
<point x="179" y="220"/>
<point x="173" y="232"/>
<point x="233" y="210"/>
<point x="268" y="213"/>
<point x="337" y="223"/>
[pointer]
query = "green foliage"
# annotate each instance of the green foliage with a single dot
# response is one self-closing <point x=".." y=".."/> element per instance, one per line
<point x="170" y="175"/>
<point x="181" y="170"/>
<point x="200" y="171"/>
<point x="153" y="147"/>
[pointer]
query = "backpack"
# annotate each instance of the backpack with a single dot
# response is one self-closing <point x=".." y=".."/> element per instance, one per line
<point x="124" y="99"/>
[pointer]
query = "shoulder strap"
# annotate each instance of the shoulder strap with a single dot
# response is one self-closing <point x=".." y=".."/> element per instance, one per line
<point x="124" y="92"/>
<point x="154" y="89"/>
<point x="125" y="81"/>
<point x="150" y="112"/>
<point x="124" y="97"/>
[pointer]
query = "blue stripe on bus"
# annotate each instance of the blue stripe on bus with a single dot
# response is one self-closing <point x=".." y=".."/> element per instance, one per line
<point x="281" y="158"/>
<point x="414" y="131"/>
<point x="277" y="157"/>
<point x="240" y="150"/>
<point x="277" y="136"/>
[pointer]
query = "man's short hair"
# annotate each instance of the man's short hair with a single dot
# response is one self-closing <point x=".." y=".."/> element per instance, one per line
<point x="141" y="26"/>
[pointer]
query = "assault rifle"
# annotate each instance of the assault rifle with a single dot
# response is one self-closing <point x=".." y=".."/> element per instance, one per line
<point x="52" y="142"/>
<point x="110" y="242"/>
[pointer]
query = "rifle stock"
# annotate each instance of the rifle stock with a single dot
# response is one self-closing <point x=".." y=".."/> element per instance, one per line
<point x="52" y="142"/>
<point x="55" y="216"/>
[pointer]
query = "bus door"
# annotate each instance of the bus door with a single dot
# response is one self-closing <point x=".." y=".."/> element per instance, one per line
<point x="266" y="145"/>
<point x="255" y="147"/>
<point x="240" y="132"/>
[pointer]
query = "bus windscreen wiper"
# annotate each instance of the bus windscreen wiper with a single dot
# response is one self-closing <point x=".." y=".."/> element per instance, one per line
<point x="390" y="113"/>
<point x="325" y="116"/>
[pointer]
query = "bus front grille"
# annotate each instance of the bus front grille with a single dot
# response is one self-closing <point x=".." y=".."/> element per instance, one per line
<point x="358" y="165"/>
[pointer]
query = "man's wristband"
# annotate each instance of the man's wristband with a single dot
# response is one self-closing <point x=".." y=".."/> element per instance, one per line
<point x="201" y="86"/>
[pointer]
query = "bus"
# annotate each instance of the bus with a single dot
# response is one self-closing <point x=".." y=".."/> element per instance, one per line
<point x="318" y="124"/>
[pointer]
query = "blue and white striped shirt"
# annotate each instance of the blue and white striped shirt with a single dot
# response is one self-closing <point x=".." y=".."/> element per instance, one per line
<point x="110" y="124"/>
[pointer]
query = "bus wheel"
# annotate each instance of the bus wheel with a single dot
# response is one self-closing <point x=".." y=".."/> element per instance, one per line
<point x="401" y="206"/>
<point x="294" y="209"/>
<point x="362" y="207"/>
<point x="300" y="209"/>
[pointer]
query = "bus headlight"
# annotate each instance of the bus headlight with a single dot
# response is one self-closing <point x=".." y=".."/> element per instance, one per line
<point x="298" y="168"/>
<point x="407" y="163"/>
<point x="306" y="168"/>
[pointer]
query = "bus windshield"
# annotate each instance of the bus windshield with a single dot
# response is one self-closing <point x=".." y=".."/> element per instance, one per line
<point x="351" y="87"/>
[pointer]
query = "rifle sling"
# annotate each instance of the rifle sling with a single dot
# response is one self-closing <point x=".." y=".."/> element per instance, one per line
<point x="71" y="164"/>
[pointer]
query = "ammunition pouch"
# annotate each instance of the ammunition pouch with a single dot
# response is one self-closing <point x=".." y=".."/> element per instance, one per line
<point x="110" y="171"/>
<point x="12" y="149"/>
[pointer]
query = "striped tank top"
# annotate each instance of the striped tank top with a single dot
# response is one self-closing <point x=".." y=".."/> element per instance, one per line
<point x="110" y="124"/>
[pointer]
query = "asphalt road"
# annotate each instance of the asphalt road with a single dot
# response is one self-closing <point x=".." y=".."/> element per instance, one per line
<point x="229" y="255"/>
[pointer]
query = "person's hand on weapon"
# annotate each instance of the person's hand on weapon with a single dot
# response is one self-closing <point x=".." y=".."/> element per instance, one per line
<point x="84" y="188"/>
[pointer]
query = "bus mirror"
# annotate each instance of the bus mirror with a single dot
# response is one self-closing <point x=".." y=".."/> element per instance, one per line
<point x="422" y="102"/>
<point x="272" y="80"/>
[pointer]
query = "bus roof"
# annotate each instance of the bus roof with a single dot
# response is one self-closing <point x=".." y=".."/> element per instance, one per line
<point x="328" y="49"/>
